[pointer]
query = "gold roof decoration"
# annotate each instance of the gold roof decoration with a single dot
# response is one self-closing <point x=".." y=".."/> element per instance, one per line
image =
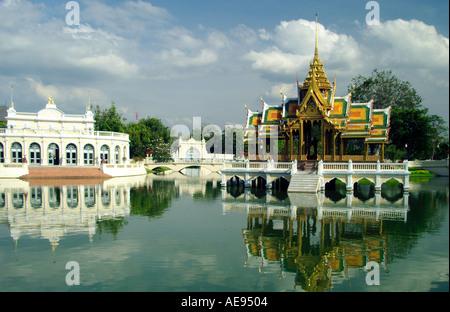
<point x="316" y="70"/>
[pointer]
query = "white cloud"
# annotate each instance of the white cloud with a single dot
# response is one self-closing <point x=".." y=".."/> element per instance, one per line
<point x="273" y="60"/>
<point x="130" y="18"/>
<point x="51" y="48"/>
<point x="410" y="43"/>
<point x="292" y="48"/>
<point x="288" y="89"/>
<point x="64" y="95"/>
<point x="178" y="58"/>
<point x="144" y="59"/>
<point x="411" y="47"/>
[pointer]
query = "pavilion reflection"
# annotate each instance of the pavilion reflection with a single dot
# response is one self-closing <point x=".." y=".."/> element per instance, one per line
<point x="52" y="211"/>
<point x="315" y="238"/>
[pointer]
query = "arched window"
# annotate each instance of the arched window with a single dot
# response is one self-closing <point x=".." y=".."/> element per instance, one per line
<point x="116" y="154"/>
<point x="88" y="154"/>
<point x="35" y="154"/>
<point x="104" y="154"/>
<point x="71" y="154"/>
<point x="16" y="153"/>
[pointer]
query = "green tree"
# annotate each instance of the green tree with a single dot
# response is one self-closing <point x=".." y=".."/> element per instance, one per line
<point x="386" y="89"/>
<point x="149" y="135"/>
<point x="410" y="131"/>
<point x="109" y="119"/>
<point x="414" y="133"/>
<point x="438" y="135"/>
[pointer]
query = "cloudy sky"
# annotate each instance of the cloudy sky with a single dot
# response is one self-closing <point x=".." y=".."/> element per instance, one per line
<point x="176" y="59"/>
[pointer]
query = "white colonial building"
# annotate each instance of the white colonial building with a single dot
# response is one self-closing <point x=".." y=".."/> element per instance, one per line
<point x="51" y="137"/>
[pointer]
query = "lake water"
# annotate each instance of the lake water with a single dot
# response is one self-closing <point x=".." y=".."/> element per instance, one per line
<point x="186" y="234"/>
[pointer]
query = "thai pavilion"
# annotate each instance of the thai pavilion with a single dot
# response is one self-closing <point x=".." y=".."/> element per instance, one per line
<point x="318" y="125"/>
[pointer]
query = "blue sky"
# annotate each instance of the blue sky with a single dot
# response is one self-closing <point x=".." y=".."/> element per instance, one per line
<point x="179" y="59"/>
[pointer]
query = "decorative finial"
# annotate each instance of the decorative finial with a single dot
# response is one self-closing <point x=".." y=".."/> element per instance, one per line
<point x="283" y="97"/>
<point x="50" y="100"/>
<point x="12" y="102"/>
<point x="88" y="108"/>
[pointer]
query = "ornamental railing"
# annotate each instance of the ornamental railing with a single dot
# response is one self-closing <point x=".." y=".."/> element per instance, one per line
<point x="62" y="133"/>
<point x="268" y="166"/>
<point x="350" y="167"/>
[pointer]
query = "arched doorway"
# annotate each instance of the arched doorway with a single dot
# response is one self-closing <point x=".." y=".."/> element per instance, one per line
<point x="2" y="153"/>
<point x="53" y="154"/>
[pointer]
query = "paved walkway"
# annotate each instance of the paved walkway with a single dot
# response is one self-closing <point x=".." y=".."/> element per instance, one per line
<point x="60" y="172"/>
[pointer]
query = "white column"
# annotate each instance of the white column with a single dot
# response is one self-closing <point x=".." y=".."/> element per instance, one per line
<point x="44" y="153"/>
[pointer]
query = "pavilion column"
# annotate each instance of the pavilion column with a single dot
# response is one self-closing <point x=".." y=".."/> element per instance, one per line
<point x="322" y="134"/>
<point x="301" y="140"/>
<point x="291" y="145"/>
<point x="285" y="146"/>
<point x="334" y="146"/>
<point x="366" y="151"/>
<point x="308" y="139"/>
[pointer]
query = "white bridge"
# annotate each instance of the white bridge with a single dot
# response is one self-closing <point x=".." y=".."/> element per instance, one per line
<point x="314" y="180"/>
<point x="439" y="167"/>
<point x="176" y="166"/>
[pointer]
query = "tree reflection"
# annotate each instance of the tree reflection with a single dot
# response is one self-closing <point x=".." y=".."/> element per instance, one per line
<point x="153" y="199"/>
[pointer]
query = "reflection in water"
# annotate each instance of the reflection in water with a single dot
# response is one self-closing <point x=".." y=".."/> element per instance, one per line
<point x="314" y="241"/>
<point x="51" y="212"/>
<point x="314" y="237"/>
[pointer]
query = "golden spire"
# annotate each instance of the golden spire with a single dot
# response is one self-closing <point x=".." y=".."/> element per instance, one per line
<point x="316" y="51"/>
<point x="316" y="71"/>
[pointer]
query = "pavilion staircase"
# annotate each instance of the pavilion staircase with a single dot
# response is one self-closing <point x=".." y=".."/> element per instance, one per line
<point x="305" y="181"/>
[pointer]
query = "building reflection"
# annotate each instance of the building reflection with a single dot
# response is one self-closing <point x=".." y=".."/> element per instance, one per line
<point x="53" y="211"/>
<point x="317" y="239"/>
